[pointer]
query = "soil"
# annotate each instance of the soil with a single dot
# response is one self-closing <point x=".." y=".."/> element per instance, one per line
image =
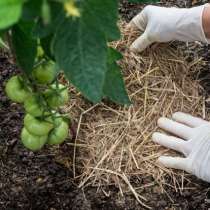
<point x="38" y="181"/>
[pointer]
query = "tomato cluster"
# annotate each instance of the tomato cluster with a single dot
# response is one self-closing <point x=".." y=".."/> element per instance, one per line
<point x="42" y="96"/>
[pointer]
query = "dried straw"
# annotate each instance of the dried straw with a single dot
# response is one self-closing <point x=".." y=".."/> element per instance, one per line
<point x="114" y="142"/>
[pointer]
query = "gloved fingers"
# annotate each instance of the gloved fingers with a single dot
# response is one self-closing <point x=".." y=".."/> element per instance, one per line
<point x="170" y="142"/>
<point x="140" y="20"/>
<point x="173" y="162"/>
<point x="188" y="119"/>
<point x="176" y="128"/>
<point x="131" y="25"/>
<point x="141" y="43"/>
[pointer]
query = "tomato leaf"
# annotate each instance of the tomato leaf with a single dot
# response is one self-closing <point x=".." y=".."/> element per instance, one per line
<point x="113" y="55"/>
<point x="31" y="10"/>
<point x="24" y="45"/>
<point x="81" y="53"/>
<point x="106" y="17"/>
<point x="42" y="29"/>
<point x="10" y="12"/>
<point x="114" y="87"/>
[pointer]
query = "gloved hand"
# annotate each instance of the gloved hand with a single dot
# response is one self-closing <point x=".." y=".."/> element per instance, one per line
<point x="193" y="140"/>
<point x="162" y="24"/>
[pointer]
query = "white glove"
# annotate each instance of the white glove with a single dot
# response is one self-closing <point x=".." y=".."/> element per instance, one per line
<point x="162" y="24"/>
<point x="193" y="140"/>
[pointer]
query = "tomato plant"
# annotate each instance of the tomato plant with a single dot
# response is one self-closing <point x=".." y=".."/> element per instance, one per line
<point x="72" y="33"/>
<point x="47" y="36"/>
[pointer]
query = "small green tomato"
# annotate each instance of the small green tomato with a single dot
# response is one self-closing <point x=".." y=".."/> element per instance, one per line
<point x="37" y="127"/>
<point x="57" y="96"/>
<point x="15" y="90"/>
<point x="45" y="73"/>
<point x="59" y="133"/>
<point x="31" y="141"/>
<point x="33" y="106"/>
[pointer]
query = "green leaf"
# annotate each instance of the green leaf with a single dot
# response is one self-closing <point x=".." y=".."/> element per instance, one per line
<point x="114" y="87"/>
<point x="41" y="29"/>
<point x="82" y="51"/>
<point x="106" y="17"/>
<point x="31" y="9"/>
<point x="113" y="55"/>
<point x="10" y="12"/>
<point x="2" y="32"/>
<point x="24" y="45"/>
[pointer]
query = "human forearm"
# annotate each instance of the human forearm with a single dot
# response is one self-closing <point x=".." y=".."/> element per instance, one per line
<point x="206" y="22"/>
<point x="161" y="24"/>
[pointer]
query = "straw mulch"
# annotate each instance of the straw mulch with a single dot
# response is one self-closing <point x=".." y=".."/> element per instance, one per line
<point x="113" y="144"/>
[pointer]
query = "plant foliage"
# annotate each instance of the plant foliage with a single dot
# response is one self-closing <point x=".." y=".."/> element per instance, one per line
<point x="74" y="33"/>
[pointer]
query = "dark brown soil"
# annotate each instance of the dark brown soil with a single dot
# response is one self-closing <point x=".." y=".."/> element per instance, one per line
<point x="37" y="181"/>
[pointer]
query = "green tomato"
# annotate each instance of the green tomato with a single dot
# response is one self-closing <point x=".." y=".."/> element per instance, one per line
<point x="33" y="107"/>
<point x="57" y="97"/>
<point x="40" y="52"/>
<point x="59" y="133"/>
<point x="37" y="127"/>
<point x="55" y="118"/>
<point x="45" y="73"/>
<point x="32" y="142"/>
<point x="15" y="91"/>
